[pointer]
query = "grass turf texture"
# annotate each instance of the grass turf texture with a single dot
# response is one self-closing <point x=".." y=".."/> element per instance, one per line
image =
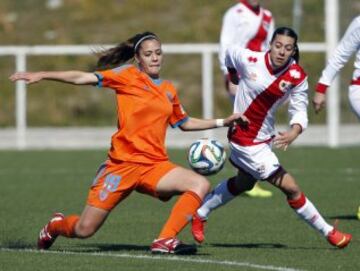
<point x="249" y="234"/>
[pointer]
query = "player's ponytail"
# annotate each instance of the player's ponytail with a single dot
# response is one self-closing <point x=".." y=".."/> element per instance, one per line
<point x="287" y="31"/>
<point x="123" y="52"/>
<point x="296" y="55"/>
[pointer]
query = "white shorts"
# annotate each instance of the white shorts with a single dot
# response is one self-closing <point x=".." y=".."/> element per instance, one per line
<point x="354" y="98"/>
<point x="258" y="160"/>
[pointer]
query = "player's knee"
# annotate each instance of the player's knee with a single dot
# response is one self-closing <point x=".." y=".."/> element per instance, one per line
<point x="200" y="186"/>
<point x="292" y="191"/>
<point x="290" y="187"/>
<point x="240" y="183"/>
<point x="206" y="186"/>
<point x="85" y="230"/>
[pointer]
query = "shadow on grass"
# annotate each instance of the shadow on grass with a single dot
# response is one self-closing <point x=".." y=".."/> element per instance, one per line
<point x="87" y="248"/>
<point x="250" y="245"/>
<point x="17" y="244"/>
<point x="96" y="247"/>
<point x="115" y="247"/>
<point x="343" y="217"/>
<point x="267" y="246"/>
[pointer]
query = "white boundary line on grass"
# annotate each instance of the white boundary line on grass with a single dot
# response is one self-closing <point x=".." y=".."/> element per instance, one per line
<point x="151" y="257"/>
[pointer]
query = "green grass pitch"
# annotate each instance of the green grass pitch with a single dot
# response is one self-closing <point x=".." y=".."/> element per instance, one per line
<point x="247" y="234"/>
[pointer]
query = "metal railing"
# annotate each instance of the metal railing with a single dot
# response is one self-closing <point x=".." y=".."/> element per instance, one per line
<point x="206" y="50"/>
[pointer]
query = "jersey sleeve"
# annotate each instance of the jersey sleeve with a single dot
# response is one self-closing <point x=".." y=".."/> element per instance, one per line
<point x="179" y="116"/>
<point x="113" y="78"/>
<point x="270" y="33"/>
<point x="226" y="37"/>
<point x="349" y="44"/>
<point x="233" y="57"/>
<point x="298" y="103"/>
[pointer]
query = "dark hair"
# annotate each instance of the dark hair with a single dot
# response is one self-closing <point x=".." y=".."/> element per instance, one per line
<point x="287" y="31"/>
<point x="124" y="51"/>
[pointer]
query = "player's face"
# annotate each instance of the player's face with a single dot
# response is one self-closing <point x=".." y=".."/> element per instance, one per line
<point x="281" y="49"/>
<point x="150" y="57"/>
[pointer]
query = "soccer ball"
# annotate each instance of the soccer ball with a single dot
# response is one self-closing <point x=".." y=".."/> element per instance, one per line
<point x="206" y="156"/>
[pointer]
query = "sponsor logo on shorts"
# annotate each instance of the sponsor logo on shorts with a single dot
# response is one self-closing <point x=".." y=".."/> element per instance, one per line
<point x="110" y="185"/>
<point x="261" y="169"/>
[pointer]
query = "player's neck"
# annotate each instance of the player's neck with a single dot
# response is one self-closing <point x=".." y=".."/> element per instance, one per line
<point x="255" y="9"/>
<point x="277" y="69"/>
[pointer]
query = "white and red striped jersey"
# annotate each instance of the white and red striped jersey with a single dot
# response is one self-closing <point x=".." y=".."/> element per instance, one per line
<point x="245" y="27"/>
<point x="261" y="92"/>
<point x="349" y="44"/>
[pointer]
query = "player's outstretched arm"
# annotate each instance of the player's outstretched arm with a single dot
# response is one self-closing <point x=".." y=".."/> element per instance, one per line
<point x="71" y="77"/>
<point x="194" y="124"/>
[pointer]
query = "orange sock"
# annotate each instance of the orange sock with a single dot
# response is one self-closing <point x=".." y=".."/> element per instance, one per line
<point x="181" y="214"/>
<point x="65" y="227"/>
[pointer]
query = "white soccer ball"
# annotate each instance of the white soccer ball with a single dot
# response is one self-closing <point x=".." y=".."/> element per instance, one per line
<point x="206" y="156"/>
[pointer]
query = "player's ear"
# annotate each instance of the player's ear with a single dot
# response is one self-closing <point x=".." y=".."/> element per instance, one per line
<point x="137" y="59"/>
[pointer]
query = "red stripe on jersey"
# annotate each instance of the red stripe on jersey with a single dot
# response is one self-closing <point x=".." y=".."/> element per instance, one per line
<point x="354" y="82"/>
<point x="255" y="43"/>
<point x="260" y="106"/>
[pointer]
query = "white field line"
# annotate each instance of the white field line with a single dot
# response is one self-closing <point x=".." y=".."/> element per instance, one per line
<point x="159" y="258"/>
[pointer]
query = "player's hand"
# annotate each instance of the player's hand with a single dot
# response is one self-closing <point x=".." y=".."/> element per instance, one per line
<point x="283" y="139"/>
<point x="318" y="101"/>
<point x="237" y="119"/>
<point x="28" y="77"/>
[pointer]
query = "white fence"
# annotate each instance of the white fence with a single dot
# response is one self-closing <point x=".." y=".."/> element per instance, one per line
<point x="26" y="138"/>
<point x="21" y="53"/>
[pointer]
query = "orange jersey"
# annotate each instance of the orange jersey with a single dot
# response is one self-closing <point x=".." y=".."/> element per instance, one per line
<point x="145" y="109"/>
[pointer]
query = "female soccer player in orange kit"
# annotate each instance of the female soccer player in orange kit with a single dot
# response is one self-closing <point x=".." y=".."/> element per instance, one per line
<point x="137" y="159"/>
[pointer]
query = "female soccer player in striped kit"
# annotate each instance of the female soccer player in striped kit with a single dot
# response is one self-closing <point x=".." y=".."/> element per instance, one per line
<point x="268" y="79"/>
<point x="250" y="26"/>
<point x="349" y="44"/>
<point x="247" y="25"/>
<point x="137" y="159"/>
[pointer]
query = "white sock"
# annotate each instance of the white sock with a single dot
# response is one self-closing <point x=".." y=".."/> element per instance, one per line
<point x="216" y="198"/>
<point x="311" y="215"/>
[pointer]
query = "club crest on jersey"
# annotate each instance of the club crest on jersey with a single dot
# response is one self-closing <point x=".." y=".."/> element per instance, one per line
<point x="295" y="74"/>
<point x="261" y="169"/>
<point x="285" y="86"/>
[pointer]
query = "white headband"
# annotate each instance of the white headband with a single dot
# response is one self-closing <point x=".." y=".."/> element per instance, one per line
<point x="142" y="39"/>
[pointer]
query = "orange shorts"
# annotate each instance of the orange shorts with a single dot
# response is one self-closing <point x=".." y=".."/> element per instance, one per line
<point x="115" y="181"/>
